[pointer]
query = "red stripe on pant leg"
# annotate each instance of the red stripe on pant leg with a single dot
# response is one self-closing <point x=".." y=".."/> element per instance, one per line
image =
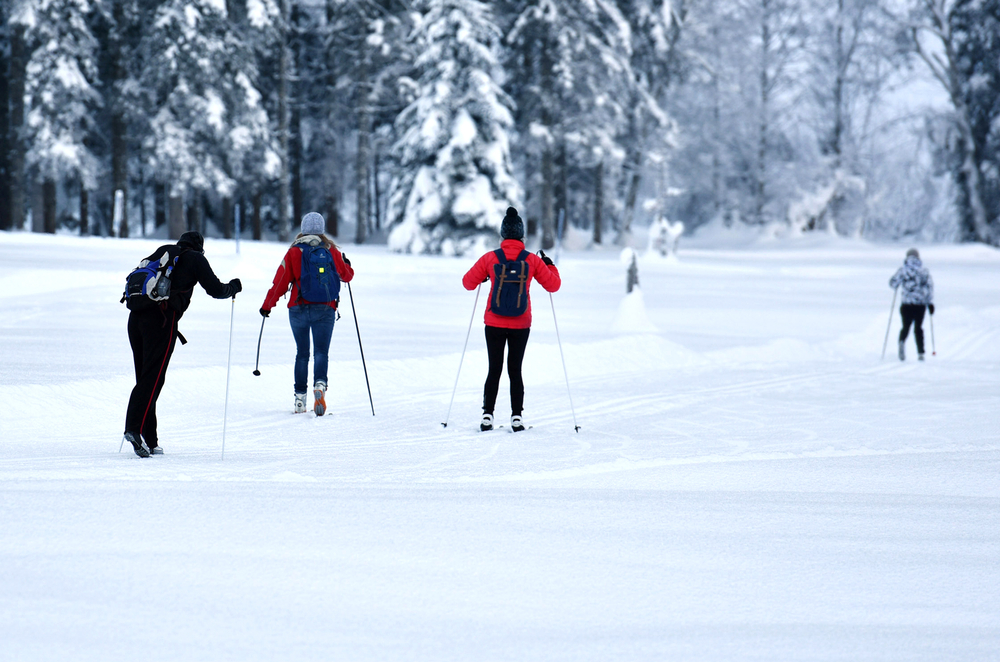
<point x="152" y="394"/>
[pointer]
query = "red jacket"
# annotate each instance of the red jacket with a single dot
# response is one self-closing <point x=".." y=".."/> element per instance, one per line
<point x="290" y="271"/>
<point x="547" y="276"/>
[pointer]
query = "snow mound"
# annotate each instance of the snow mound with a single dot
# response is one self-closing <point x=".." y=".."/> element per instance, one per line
<point x="631" y="317"/>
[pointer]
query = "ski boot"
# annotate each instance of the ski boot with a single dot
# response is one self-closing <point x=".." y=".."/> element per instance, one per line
<point x="300" y="403"/>
<point x="487" y="423"/>
<point x="902" y="350"/>
<point x="516" y="424"/>
<point x="137" y="444"/>
<point x="319" y="397"/>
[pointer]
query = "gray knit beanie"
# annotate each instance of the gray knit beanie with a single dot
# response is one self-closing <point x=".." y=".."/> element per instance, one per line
<point x="313" y="223"/>
<point x="913" y="252"/>
<point x="512" y="226"/>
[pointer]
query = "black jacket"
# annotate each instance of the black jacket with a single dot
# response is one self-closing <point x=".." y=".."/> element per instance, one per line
<point x="193" y="268"/>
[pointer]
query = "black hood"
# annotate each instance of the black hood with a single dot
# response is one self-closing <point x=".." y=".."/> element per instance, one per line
<point x="192" y="240"/>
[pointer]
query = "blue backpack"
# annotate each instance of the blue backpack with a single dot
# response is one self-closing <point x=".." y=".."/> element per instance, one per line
<point x="510" y="285"/>
<point x="320" y="282"/>
<point x="148" y="284"/>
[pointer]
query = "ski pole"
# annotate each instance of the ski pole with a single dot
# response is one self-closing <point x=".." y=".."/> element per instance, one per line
<point x="225" y="411"/>
<point x="355" y="312"/>
<point x="256" y="368"/>
<point x="565" y="374"/>
<point x="467" y="334"/>
<point x="892" y="309"/>
<point x="933" y="347"/>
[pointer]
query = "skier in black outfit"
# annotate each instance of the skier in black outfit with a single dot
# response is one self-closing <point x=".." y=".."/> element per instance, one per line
<point x="152" y="332"/>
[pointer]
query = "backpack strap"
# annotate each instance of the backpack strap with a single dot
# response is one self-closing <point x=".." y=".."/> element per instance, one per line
<point x="522" y="278"/>
<point x="498" y="285"/>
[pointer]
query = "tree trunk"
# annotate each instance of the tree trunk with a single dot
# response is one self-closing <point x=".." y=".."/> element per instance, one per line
<point x="5" y="147"/>
<point x="284" y="227"/>
<point x="376" y="193"/>
<point x="15" y="161"/>
<point x="633" y="177"/>
<point x="364" y="152"/>
<point x="227" y="218"/>
<point x="37" y="207"/>
<point x="84" y="211"/>
<point x="332" y="216"/>
<point x="331" y="177"/>
<point x="119" y="169"/>
<point x="176" y="224"/>
<point x="196" y="215"/>
<point x="258" y="198"/>
<point x="548" y="183"/>
<point x="49" y="205"/>
<point x="295" y="136"/>
<point x="159" y="204"/>
<point x="598" y="201"/>
<point x="548" y="215"/>
<point x="836" y="137"/>
<point x="760" y="191"/>
<point x="562" y="183"/>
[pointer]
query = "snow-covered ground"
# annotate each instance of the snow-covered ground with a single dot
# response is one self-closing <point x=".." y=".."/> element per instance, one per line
<point x="750" y="481"/>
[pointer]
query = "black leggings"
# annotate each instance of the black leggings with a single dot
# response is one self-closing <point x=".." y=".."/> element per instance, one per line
<point x="913" y="313"/>
<point x="152" y="335"/>
<point x="516" y="341"/>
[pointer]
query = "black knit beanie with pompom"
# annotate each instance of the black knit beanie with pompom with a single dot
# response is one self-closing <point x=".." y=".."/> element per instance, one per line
<point x="512" y="226"/>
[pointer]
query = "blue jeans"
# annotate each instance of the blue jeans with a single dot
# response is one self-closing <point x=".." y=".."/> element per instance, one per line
<point x="319" y="319"/>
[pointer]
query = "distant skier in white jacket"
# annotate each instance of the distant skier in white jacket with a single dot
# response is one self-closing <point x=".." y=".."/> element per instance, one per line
<point x="918" y="294"/>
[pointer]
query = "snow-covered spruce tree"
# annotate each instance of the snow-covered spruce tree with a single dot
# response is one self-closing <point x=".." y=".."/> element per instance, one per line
<point x="60" y="98"/>
<point x="976" y="28"/>
<point x="454" y="179"/>
<point x="207" y="122"/>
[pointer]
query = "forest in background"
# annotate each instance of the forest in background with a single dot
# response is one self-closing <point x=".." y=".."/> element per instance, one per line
<point x="417" y="122"/>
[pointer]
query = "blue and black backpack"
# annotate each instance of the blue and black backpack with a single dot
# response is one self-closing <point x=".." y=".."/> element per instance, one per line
<point x="510" y="285"/>
<point x="319" y="282"/>
<point x="148" y="285"/>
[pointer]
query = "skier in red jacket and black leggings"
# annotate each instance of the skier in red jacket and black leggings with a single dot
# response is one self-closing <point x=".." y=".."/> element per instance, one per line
<point x="508" y="313"/>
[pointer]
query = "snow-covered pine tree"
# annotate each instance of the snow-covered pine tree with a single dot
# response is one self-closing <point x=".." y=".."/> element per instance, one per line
<point x="454" y="179"/>
<point x="206" y="118"/>
<point x="60" y="98"/>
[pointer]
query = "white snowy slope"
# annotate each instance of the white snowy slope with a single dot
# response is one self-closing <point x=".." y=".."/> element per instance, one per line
<point x="750" y="482"/>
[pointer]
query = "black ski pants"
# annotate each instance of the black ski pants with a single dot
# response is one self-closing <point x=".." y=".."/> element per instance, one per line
<point x="152" y="334"/>
<point x="516" y="341"/>
<point x="913" y="313"/>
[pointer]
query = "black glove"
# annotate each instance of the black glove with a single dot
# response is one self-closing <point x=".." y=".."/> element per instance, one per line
<point x="545" y="258"/>
<point x="264" y="312"/>
<point x="346" y="261"/>
<point x="236" y="285"/>
<point x="930" y="306"/>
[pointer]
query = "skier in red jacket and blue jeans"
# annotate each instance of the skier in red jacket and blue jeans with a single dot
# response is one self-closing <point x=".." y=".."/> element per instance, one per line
<point x="309" y="316"/>
<point x="508" y="314"/>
